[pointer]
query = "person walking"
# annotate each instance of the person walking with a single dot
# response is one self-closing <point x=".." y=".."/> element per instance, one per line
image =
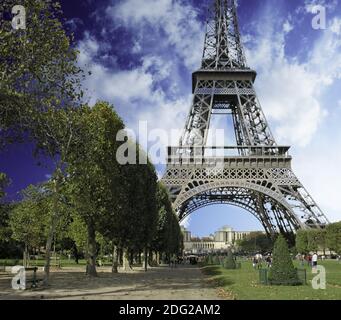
<point x="314" y="260"/>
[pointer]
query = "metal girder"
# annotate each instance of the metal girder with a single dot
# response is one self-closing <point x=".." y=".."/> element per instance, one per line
<point x="238" y="97"/>
<point x="222" y="48"/>
<point x="258" y="175"/>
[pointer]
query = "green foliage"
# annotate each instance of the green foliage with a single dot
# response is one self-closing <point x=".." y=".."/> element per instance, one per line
<point x="215" y="260"/>
<point x="209" y="260"/>
<point x="333" y="237"/>
<point x="95" y="184"/>
<point x="168" y="237"/>
<point x="138" y="217"/>
<point x="77" y="231"/>
<point x="29" y="219"/>
<point x="311" y="240"/>
<point x="3" y="183"/>
<point x="229" y="261"/>
<point x="5" y="231"/>
<point x="282" y="271"/>
<point x="38" y="66"/>
<point x="255" y="242"/>
<point x="302" y="241"/>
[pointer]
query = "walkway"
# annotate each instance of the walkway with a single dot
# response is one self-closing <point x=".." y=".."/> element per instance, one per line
<point x="164" y="283"/>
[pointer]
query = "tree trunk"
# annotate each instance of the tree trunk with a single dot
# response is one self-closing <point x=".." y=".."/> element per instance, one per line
<point x="158" y="258"/>
<point x="91" y="251"/>
<point x="131" y="259"/>
<point x="114" y="268"/>
<point x="25" y="256"/>
<point x="126" y="266"/>
<point x="145" y="260"/>
<point x="75" y="253"/>
<point x="54" y="220"/>
<point x="139" y="258"/>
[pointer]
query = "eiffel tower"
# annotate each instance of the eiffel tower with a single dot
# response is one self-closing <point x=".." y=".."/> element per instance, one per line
<point x="256" y="173"/>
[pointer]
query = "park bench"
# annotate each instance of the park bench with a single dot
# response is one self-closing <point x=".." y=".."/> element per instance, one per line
<point x="32" y="277"/>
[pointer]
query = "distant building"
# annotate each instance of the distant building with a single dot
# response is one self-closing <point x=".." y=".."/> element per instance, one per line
<point x="222" y="239"/>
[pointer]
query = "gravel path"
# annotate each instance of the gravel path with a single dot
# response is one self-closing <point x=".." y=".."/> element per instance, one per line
<point x="161" y="283"/>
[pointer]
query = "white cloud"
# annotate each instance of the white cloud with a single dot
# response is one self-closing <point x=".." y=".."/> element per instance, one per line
<point x="287" y="26"/>
<point x="136" y="93"/>
<point x="335" y="26"/>
<point x="293" y="96"/>
<point x="328" y="4"/>
<point x="177" y="21"/>
<point x="137" y="47"/>
<point x="318" y="169"/>
<point x="290" y="92"/>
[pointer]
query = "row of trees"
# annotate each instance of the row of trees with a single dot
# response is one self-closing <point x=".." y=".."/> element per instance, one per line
<point x="307" y="240"/>
<point x="89" y="194"/>
<point x="320" y="239"/>
<point x="255" y="242"/>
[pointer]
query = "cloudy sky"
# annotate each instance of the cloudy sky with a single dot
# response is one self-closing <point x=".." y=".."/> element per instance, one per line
<point x="142" y="53"/>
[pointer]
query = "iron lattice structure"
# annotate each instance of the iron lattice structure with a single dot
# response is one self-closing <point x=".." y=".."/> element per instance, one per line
<point x="255" y="174"/>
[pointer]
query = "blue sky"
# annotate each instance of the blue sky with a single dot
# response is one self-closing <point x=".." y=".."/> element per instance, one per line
<point x="142" y="54"/>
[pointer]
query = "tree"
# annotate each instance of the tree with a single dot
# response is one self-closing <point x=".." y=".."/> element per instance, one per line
<point x="38" y="67"/>
<point x="8" y="246"/>
<point x="3" y="183"/>
<point x="137" y="221"/>
<point x="255" y="242"/>
<point x="313" y="236"/>
<point x="333" y="237"/>
<point x="229" y="262"/>
<point x="168" y="238"/>
<point x="310" y="240"/>
<point x="93" y="182"/>
<point x="282" y="271"/>
<point x="28" y="220"/>
<point x="321" y="239"/>
<point x="302" y="241"/>
<point x="39" y="81"/>
<point x="56" y="134"/>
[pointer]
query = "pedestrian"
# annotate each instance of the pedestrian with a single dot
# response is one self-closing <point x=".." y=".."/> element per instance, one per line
<point x="314" y="260"/>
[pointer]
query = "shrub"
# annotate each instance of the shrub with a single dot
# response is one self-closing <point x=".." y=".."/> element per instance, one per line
<point x="216" y="260"/>
<point x="282" y="271"/>
<point x="208" y="260"/>
<point x="229" y="262"/>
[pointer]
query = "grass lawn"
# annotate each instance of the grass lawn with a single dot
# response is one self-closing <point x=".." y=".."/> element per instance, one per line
<point x="40" y="262"/>
<point x="243" y="284"/>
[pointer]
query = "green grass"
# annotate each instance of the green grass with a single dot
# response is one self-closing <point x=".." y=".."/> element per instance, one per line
<point x="41" y="262"/>
<point x="243" y="284"/>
